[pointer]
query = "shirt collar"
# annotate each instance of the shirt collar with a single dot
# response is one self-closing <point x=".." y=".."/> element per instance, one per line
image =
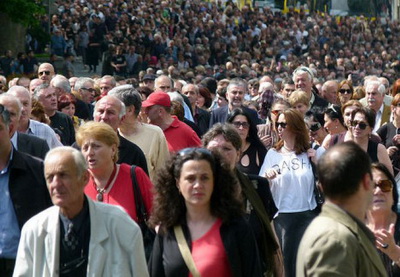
<point x="14" y="140"/>
<point x="312" y="99"/>
<point x="5" y="170"/>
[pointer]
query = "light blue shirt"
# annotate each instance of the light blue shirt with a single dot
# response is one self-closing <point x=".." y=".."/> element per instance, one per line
<point x="188" y="113"/>
<point x="43" y="131"/>
<point x="9" y="229"/>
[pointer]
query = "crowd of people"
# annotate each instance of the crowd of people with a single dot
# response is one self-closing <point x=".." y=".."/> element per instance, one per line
<point x="210" y="127"/>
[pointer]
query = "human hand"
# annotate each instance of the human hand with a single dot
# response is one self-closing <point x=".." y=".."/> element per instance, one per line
<point x="391" y="150"/>
<point x="271" y="173"/>
<point x="312" y="153"/>
<point x="266" y="140"/>
<point x="385" y="242"/>
<point x="396" y="139"/>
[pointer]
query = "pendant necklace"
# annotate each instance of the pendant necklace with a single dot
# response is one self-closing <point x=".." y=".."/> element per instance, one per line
<point x="100" y="191"/>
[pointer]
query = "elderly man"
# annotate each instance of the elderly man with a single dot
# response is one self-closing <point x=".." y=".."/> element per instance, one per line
<point x="200" y="116"/>
<point x="329" y="91"/>
<point x="60" y="84"/>
<point x="375" y="93"/>
<point x="303" y="80"/>
<point x="387" y="99"/>
<point x="149" y="138"/>
<point x="337" y="242"/>
<point x="34" y="84"/>
<point x="25" y="143"/>
<point x="23" y="193"/>
<point x="111" y="111"/>
<point x="107" y="83"/>
<point x="84" y="88"/>
<point x="60" y="122"/>
<point x="30" y="126"/>
<point x="78" y="237"/>
<point x="235" y="93"/>
<point x="46" y="72"/>
<point x="157" y="107"/>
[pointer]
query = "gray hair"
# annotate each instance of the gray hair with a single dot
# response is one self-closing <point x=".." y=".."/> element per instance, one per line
<point x="129" y="96"/>
<point x="302" y="70"/>
<point x="80" y="162"/>
<point x="237" y="82"/>
<point x="122" y="112"/>
<point x="381" y="87"/>
<point x="16" y="90"/>
<point x="62" y="83"/>
<point x="13" y="99"/>
<point x="175" y="96"/>
<point x="196" y="87"/>
<point x="109" y="77"/>
<point x="38" y="89"/>
<point x="81" y="82"/>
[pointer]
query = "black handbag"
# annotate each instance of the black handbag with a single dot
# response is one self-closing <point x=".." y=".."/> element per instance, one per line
<point x="319" y="196"/>
<point x="148" y="233"/>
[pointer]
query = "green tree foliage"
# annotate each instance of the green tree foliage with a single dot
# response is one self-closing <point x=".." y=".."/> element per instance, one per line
<point x="25" y="12"/>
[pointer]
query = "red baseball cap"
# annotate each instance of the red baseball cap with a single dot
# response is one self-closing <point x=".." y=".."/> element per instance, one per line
<point x="157" y="98"/>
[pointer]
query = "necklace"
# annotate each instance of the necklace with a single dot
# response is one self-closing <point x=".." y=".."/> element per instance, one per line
<point x="100" y="191"/>
<point x="287" y="149"/>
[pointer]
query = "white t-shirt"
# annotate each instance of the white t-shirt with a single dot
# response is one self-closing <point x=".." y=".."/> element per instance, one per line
<point x="293" y="188"/>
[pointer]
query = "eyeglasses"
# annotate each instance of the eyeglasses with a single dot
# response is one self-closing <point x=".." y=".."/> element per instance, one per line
<point x="282" y="124"/>
<point x="345" y="91"/>
<point x="315" y="127"/>
<point x="239" y="124"/>
<point x="191" y="150"/>
<point x="384" y="185"/>
<point x="360" y="124"/>
<point x="89" y="89"/>
<point x="44" y="72"/>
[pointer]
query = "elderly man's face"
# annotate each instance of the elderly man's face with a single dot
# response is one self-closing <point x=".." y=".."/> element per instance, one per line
<point x="191" y="93"/>
<point x="88" y="92"/>
<point x="48" y="99"/>
<point x="105" y="86"/>
<point x="302" y="81"/>
<point x="374" y="98"/>
<point x="107" y="110"/>
<point x="46" y="72"/>
<point x="63" y="182"/>
<point x="163" y="83"/>
<point x="235" y="95"/>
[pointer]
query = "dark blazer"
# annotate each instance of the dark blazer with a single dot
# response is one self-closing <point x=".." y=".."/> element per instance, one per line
<point x="27" y="186"/>
<point x="32" y="145"/>
<point x="131" y="154"/>
<point x="202" y="120"/>
<point x="318" y="107"/>
<point x="221" y="115"/>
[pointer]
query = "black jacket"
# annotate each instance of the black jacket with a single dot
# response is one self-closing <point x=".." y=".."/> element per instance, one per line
<point x="32" y="145"/>
<point x="238" y="240"/>
<point x="27" y="186"/>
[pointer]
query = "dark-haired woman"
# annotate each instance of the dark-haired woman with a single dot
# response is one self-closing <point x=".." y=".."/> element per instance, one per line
<point x="383" y="218"/>
<point x="197" y="194"/>
<point x="334" y="124"/>
<point x="288" y="168"/>
<point x="253" y="151"/>
<point x="362" y="124"/>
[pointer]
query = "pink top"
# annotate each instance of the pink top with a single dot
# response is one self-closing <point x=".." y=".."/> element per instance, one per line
<point x="209" y="253"/>
<point x="121" y="192"/>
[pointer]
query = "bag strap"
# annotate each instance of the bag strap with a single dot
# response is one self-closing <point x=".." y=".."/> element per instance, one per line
<point x="140" y="208"/>
<point x="185" y="251"/>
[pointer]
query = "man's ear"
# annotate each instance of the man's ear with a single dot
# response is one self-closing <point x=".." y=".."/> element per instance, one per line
<point x="367" y="182"/>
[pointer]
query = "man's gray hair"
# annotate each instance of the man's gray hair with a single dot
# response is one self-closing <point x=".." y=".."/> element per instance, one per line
<point x="38" y="89"/>
<point x="13" y="99"/>
<point x="129" y="96"/>
<point x="122" y="112"/>
<point x="376" y="83"/>
<point x="237" y="82"/>
<point x="15" y="90"/>
<point x="62" y="83"/>
<point x="79" y="159"/>
<point x="196" y="87"/>
<point x="109" y="77"/>
<point x="302" y="70"/>
<point x="80" y="83"/>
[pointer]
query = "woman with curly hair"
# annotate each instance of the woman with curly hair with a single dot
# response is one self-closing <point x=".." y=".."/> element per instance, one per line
<point x="197" y="194"/>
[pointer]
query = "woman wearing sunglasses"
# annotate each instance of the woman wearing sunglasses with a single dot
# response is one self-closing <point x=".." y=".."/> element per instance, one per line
<point x="345" y="92"/>
<point x="390" y="134"/>
<point x="288" y="168"/>
<point x="198" y="207"/>
<point x="253" y="151"/>
<point x="362" y="122"/>
<point x="383" y="218"/>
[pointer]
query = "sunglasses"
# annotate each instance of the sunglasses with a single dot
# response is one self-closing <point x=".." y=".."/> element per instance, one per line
<point x="384" y="185"/>
<point x="345" y="91"/>
<point x="89" y="89"/>
<point x="239" y="124"/>
<point x="315" y="127"/>
<point x="282" y="124"/>
<point x="360" y="124"/>
<point x="44" y="72"/>
<point x="275" y="112"/>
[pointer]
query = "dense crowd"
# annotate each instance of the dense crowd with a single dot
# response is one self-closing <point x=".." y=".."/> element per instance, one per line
<point x="206" y="123"/>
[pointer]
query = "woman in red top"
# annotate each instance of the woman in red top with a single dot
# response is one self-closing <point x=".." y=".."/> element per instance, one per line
<point x="198" y="193"/>
<point x="110" y="182"/>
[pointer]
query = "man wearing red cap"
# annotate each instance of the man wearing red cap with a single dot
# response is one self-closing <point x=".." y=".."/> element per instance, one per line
<point x="179" y="135"/>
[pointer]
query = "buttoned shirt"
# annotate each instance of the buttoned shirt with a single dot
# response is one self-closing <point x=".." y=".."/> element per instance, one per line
<point x="45" y="132"/>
